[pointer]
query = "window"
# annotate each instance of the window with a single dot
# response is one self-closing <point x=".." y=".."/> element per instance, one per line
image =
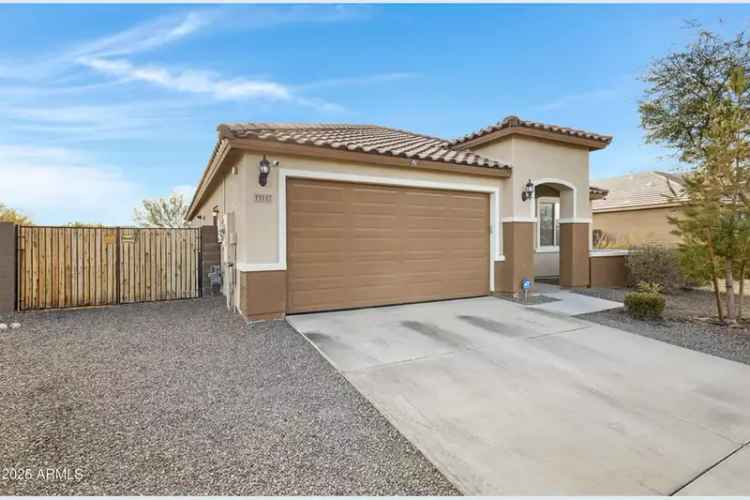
<point x="548" y="223"/>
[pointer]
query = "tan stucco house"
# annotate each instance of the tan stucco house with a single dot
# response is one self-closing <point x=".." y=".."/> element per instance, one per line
<point x="362" y="215"/>
<point x="636" y="208"/>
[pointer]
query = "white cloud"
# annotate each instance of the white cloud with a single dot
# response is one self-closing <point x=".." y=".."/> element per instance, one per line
<point x="57" y="185"/>
<point x="199" y="82"/>
<point x="96" y="122"/>
<point x="144" y="37"/>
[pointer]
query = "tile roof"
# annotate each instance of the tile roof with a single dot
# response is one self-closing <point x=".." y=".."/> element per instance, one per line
<point x="514" y="121"/>
<point x="371" y="139"/>
<point x="637" y="190"/>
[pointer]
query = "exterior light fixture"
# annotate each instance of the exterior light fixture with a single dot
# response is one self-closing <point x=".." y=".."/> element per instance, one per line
<point x="528" y="191"/>
<point x="264" y="167"/>
<point x="215" y="211"/>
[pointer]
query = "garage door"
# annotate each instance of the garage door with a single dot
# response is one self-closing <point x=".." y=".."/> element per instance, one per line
<point x="358" y="245"/>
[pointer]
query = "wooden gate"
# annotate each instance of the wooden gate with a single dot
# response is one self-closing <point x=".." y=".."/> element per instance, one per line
<point x="158" y="264"/>
<point x="89" y="266"/>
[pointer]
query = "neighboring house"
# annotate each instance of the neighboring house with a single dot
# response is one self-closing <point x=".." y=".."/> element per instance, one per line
<point x="318" y="217"/>
<point x="636" y="208"/>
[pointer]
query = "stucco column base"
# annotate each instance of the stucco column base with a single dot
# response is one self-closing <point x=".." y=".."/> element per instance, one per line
<point x="263" y="295"/>
<point x="574" y="255"/>
<point x="518" y="248"/>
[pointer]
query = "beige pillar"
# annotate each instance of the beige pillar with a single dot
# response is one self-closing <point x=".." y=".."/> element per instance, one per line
<point x="574" y="255"/>
<point x="518" y="248"/>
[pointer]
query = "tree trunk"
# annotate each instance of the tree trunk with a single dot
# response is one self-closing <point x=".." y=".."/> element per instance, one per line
<point x="717" y="295"/>
<point x="715" y="280"/>
<point x="729" y="282"/>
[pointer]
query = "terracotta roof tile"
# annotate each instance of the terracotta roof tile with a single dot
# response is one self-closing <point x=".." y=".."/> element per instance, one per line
<point x="514" y="121"/>
<point x="637" y="190"/>
<point x="371" y="139"/>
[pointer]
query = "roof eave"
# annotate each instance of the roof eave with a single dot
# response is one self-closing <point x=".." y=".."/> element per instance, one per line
<point x="307" y="150"/>
<point x="218" y="155"/>
<point x="630" y="208"/>
<point x="591" y="144"/>
<point x="227" y="142"/>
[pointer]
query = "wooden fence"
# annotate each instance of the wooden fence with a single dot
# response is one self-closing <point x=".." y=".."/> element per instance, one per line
<point x="90" y="266"/>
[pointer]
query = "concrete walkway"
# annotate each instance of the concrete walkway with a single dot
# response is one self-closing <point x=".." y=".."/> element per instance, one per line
<point x="571" y="303"/>
<point x="514" y="400"/>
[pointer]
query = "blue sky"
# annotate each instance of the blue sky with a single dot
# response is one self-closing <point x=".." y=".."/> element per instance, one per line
<point x="102" y="106"/>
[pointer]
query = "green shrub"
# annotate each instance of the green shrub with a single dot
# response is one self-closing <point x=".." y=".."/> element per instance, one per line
<point x="648" y="287"/>
<point x="655" y="264"/>
<point x="645" y="305"/>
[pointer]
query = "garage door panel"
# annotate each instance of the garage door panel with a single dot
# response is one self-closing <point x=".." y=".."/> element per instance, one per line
<point x="386" y="269"/>
<point x="307" y="271"/>
<point x="376" y="196"/>
<point x="368" y="245"/>
<point x="310" y="190"/>
<point x="315" y="207"/>
<point x="425" y="222"/>
<point x="373" y="221"/>
<point x="320" y="284"/>
<point x="316" y="245"/>
<point x="364" y="294"/>
<point x="414" y="197"/>
<point x="332" y="222"/>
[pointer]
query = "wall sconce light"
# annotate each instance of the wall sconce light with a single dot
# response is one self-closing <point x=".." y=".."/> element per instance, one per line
<point x="528" y="191"/>
<point x="264" y="167"/>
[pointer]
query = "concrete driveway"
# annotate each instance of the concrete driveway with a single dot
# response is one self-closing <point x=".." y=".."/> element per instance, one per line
<point x="507" y="400"/>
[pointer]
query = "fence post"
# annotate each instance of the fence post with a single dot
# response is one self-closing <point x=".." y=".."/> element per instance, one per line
<point x="7" y="267"/>
<point x="117" y="266"/>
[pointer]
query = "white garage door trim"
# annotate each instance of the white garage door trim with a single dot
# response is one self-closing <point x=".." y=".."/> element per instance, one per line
<point x="284" y="173"/>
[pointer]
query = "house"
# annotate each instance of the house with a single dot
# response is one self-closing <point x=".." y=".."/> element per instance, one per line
<point x="636" y="208"/>
<point x="319" y="217"/>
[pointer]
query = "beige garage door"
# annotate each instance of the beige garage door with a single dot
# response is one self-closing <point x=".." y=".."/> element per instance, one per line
<point x="357" y="245"/>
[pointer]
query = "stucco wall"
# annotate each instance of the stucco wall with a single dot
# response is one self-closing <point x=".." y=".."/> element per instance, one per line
<point x="638" y="226"/>
<point x="608" y="271"/>
<point x="227" y="196"/>
<point x="537" y="159"/>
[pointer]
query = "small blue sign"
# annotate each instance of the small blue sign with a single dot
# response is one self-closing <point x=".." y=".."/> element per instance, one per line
<point x="525" y="283"/>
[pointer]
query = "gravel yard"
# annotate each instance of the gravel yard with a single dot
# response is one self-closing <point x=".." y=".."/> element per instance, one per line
<point x="184" y="398"/>
<point x="679" y="326"/>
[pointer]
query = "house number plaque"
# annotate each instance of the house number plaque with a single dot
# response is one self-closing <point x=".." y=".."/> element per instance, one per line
<point x="263" y="198"/>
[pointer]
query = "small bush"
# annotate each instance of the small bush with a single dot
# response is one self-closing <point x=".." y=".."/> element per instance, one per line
<point x="645" y="305"/>
<point x="648" y="287"/>
<point x="655" y="264"/>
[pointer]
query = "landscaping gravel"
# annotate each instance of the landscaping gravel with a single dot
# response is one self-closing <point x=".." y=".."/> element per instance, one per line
<point x="185" y="398"/>
<point x="681" y="304"/>
<point x="680" y="325"/>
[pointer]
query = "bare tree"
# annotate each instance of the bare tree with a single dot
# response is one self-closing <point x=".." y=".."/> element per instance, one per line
<point x="162" y="212"/>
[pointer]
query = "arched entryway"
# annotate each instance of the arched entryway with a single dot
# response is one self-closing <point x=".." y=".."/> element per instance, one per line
<point x="561" y="248"/>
